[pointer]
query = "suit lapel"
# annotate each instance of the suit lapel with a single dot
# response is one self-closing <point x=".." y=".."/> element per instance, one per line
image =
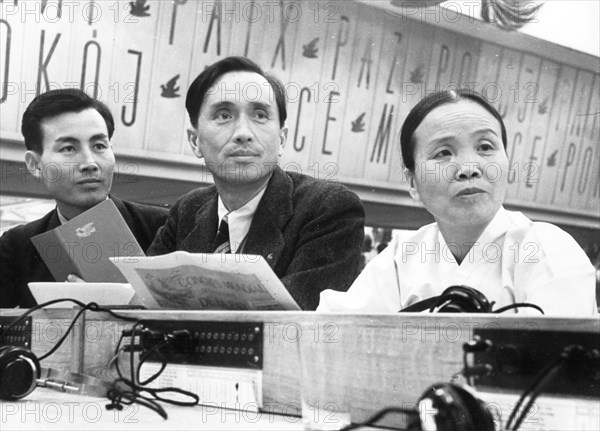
<point x="38" y="271"/>
<point x="265" y="236"/>
<point x="53" y="221"/>
<point x="201" y="238"/>
<point x="123" y="210"/>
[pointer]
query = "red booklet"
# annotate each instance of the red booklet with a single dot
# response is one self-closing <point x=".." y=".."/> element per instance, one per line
<point x="84" y="244"/>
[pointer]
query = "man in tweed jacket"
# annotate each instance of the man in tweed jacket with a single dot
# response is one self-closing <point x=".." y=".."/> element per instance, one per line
<point x="309" y="231"/>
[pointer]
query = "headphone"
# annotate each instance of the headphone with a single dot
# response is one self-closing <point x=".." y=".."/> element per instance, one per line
<point x="21" y="373"/>
<point x="455" y="299"/>
<point x="452" y="407"/>
<point x="442" y="407"/>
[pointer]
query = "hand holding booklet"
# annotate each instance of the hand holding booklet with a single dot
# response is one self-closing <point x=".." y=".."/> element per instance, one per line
<point x="200" y="281"/>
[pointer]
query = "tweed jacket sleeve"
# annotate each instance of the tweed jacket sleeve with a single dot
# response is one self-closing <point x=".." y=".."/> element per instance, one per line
<point x="327" y="231"/>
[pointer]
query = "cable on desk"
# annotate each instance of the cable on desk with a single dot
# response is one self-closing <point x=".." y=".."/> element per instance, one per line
<point x="136" y="390"/>
<point x="167" y="339"/>
<point x="133" y="392"/>
<point x="575" y="360"/>
<point x="518" y="305"/>
<point x="372" y="421"/>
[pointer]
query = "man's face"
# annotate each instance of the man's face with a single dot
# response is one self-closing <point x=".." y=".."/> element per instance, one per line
<point x="238" y="132"/>
<point x="77" y="161"/>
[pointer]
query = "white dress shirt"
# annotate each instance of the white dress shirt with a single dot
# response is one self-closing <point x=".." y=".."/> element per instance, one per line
<point x="514" y="260"/>
<point x="239" y="221"/>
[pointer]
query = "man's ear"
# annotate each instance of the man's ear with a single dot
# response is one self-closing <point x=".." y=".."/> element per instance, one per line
<point x="32" y="161"/>
<point x="192" y="136"/>
<point x="412" y="189"/>
<point x="283" y="134"/>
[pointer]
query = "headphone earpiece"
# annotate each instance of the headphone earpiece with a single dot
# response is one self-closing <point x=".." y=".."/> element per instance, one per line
<point x="19" y="371"/>
<point x="452" y="407"/>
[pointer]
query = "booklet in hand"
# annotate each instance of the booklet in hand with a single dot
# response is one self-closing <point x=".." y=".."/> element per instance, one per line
<point x="200" y="281"/>
<point x="84" y="244"/>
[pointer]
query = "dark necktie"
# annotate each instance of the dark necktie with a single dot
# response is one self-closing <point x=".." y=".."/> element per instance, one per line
<point x="221" y="244"/>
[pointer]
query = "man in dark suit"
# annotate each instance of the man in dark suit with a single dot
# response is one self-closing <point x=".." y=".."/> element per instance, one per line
<point x="67" y="136"/>
<point x="309" y="231"/>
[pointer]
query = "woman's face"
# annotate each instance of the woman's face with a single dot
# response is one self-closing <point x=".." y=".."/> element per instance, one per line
<point x="461" y="166"/>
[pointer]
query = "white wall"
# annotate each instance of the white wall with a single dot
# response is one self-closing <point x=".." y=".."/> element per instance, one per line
<point x="571" y="23"/>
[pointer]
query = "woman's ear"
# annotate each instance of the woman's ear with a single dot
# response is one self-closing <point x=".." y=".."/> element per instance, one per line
<point x="412" y="189"/>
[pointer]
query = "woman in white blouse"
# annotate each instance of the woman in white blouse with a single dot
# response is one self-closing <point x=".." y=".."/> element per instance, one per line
<point x="454" y="151"/>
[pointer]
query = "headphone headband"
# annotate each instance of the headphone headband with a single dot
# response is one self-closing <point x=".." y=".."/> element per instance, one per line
<point x="455" y="299"/>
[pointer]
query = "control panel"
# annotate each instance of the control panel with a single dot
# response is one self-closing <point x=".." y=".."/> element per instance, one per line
<point x="514" y="358"/>
<point x="17" y="335"/>
<point x="208" y="343"/>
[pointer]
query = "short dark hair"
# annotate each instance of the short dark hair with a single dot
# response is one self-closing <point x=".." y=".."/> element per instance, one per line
<point x="57" y="102"/>
<point x="203" y="82"/>
<point x="428" y="104"/>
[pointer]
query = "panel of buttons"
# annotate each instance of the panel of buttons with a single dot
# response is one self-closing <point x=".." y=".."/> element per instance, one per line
<point x="18" y="335"/>
<point x="213" y="343"/>
<point x="516" y="357"/>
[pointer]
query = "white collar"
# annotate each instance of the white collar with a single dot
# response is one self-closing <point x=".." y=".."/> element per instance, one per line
<point x="239" y="220"/>
<point x="61" y="218"/>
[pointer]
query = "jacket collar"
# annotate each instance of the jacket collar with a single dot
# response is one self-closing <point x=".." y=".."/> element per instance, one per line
<point x="51" y="220"/>
<point x="121" y="207"/>
<point x="272" y="215"/>
<point x="265" y="236"/>
<point x="201" y="237"/>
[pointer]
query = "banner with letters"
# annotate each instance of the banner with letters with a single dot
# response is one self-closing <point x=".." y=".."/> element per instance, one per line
<point x="352" y="71"/>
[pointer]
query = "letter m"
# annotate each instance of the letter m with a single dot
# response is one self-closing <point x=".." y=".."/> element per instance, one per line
<point x="383" y="135"/>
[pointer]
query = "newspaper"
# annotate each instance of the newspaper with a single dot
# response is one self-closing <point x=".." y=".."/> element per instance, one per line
<point x="200" y="281"/>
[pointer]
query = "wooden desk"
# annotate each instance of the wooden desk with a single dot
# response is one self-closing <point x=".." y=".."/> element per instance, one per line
<point x="396" y="356"/>
<point x="46" y="409"/>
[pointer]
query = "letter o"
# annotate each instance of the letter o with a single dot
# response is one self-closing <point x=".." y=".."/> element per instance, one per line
<point x="247" y="87"/>
<point x="98" y="411"/>
<point x="256" y="168"/>
<point x="497" y="92"/>
<point x="52" y="338"/>
<point x="52" y="172"/>
<point x="96" y="14"/>
<point x="57" y="410"/>
<point x="52" y="252"/>
<point x="298" y="12"/>
<point x="455" y="9"/>
<point x="455" y="328"/>
<point x="97" y="254"/>
<point x="497" y="169"/>
<point x="95" y="329"/>
<point x="296" y="334"/>
<point x="498" y="254"/>
<point x="248" y="17"/>
<point x="297" y="89"/>
<point x="296" y="167"/>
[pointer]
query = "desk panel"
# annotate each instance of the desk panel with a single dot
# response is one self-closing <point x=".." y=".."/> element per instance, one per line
<point x="395" y="357"/>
